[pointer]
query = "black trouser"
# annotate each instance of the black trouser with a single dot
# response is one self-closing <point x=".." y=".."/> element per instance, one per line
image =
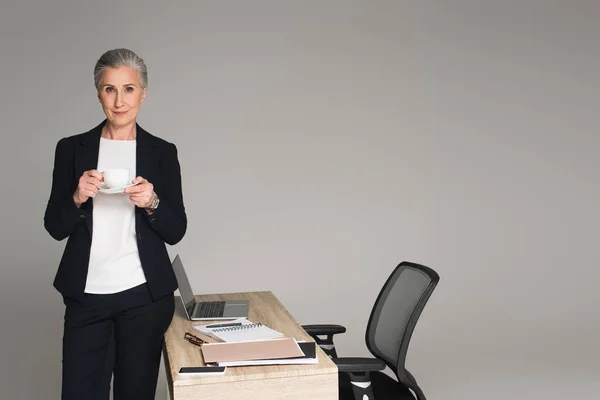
<point x="121" y="333"/>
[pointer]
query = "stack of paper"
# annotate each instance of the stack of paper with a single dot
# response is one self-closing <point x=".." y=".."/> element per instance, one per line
<point x="249" y="343"/>
<point x="260" y="352"/>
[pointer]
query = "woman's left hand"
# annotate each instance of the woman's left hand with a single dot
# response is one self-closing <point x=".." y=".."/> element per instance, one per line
<point x="142" y="194"/>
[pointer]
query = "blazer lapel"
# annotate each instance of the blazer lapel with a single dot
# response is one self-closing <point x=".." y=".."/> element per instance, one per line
<point x="86" y="159"/>
<point x="144" y="159"/>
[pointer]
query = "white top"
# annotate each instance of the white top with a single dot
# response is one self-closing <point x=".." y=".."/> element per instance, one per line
<point x="114" y="259"/>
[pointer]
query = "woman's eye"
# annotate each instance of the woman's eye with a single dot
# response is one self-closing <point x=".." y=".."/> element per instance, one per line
<point x="109" y="90"/>
<point x="129" y="89"/>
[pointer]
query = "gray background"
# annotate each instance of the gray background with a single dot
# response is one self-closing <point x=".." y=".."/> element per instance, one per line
<point x="323" y="142"/>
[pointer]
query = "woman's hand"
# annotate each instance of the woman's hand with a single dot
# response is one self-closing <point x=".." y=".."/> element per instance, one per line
<point x="89" y="184"/>
<point x="142" y="194"/>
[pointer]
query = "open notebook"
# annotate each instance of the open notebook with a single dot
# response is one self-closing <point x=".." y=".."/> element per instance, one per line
<point x="246" y="332"/>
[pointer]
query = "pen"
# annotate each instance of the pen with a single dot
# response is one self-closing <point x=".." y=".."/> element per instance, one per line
<point x="224" y="325"/>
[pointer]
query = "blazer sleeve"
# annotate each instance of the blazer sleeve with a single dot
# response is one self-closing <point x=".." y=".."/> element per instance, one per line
<point x="62" y="215"/>
<point x="169" y="220"/>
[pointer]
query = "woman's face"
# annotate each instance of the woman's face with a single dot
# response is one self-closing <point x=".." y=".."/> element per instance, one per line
<point x="121" y="95"/>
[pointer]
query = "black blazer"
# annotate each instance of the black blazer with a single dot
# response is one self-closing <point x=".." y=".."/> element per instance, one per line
<point x="156" y="160"/>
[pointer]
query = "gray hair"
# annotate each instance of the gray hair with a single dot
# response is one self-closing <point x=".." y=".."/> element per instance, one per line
<point x="120" y="58"/>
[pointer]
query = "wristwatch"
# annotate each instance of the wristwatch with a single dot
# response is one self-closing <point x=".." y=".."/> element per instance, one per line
<point x="154" y="205"/>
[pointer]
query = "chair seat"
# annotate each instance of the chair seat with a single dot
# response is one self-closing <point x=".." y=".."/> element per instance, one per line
<point x="384" y="388"/>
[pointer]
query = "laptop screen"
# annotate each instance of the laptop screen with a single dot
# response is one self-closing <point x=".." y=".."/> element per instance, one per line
<point x="185" y="290"/>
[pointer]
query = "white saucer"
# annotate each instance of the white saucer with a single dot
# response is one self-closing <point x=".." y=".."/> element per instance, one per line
<point x="118" y="189"/>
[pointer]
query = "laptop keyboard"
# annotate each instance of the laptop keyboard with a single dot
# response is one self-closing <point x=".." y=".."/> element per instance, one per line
<point x="207" y="309"/>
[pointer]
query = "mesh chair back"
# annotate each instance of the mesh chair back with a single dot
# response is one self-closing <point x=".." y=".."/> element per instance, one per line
<point x="395" y="315"/>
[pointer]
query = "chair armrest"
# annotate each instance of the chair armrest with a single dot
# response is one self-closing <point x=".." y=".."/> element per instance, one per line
<point x="323" y="329"/>
<point x="358" y="364"/>
<point x="326" y="344"/>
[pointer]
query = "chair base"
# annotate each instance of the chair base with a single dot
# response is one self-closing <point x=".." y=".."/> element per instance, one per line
<point x="384" y="388"/>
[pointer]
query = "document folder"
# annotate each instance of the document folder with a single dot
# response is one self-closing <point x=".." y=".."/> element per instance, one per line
<point x="248" y="351"/>
<point x="308" y="348"/>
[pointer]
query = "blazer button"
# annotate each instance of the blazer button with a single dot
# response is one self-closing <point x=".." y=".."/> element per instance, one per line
<point x="140" y="236"/>
<point x="81" y="216"/>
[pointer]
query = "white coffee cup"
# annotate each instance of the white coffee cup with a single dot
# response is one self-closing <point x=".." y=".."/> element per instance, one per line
<point x="116" y="177"/>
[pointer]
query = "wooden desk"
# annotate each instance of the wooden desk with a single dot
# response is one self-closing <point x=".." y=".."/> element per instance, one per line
<point x="288" y="382"/>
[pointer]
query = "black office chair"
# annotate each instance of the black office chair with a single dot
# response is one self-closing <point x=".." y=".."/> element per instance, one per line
<point x="391" y="324"/>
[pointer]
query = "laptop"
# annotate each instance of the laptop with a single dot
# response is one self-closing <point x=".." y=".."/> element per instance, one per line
<point x="205" y="310"/>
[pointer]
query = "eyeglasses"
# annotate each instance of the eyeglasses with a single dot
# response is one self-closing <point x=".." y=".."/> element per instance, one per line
<point x="193" y="339"/>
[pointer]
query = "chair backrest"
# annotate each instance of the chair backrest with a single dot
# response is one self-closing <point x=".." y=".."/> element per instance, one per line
<point x="395" y="314"/>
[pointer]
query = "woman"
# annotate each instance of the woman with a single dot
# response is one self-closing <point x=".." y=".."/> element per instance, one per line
<point x="115" y="274"/>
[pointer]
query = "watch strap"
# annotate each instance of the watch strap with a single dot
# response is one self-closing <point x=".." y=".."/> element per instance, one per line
<point x="154" y="204"/>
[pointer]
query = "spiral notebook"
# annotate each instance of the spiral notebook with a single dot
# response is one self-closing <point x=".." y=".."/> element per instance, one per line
<point x="246" y="332"/>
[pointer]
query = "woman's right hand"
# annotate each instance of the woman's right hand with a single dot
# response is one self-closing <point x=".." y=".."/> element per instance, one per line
<point x="89" y="184"/>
